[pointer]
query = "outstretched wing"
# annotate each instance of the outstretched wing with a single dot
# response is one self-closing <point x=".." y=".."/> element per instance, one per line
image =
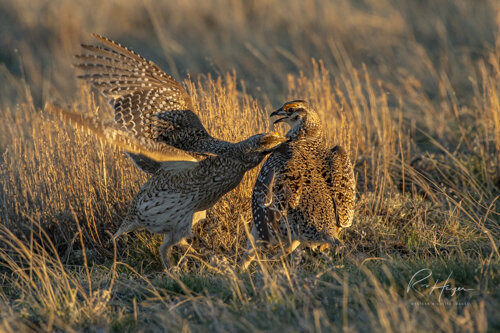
<point x="112" y="134"/>
<point x="147" y="102"/>
<point x="340" y="179"/>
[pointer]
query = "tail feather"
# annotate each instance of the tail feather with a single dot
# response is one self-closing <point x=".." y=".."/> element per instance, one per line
<point x="122" y="139"/>
<point x="129" y="224"/>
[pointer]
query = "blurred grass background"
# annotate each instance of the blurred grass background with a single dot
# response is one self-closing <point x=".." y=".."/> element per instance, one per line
<point x="410" y="88"/>
<point x="262" y="40"/>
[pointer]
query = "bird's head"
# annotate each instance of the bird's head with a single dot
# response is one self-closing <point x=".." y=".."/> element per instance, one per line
<point x="269" y="141"/>
<point x="255" y="148"/>
<point x="299" y="115"/>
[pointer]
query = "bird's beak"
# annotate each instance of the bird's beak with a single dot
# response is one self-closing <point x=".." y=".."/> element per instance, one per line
<point x="278" y="112"/>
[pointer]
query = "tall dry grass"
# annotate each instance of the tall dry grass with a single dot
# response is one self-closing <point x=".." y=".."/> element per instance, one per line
<point x="411" y="89"/>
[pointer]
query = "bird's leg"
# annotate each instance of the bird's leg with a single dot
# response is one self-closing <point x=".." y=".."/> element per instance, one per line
<point x="197" y="217"/>
<point x="173" y="238"/>
<point x="169" y="240"/>
<point x="114" y="237"/>
<point x="165" y="250"/>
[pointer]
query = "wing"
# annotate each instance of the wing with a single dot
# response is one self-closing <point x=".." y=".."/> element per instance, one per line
<point x="147" y="103"/>
<point x="274" y="193"/>
<point x="151" y="149"/>
<point x="263" y="210"/>
<point x="340" y="179"/>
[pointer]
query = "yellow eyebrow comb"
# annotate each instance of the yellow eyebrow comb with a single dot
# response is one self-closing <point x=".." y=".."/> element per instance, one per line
<point x="291" y="105"/>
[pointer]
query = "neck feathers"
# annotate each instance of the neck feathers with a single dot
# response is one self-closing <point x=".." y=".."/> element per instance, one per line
<point x="309" y="129"/>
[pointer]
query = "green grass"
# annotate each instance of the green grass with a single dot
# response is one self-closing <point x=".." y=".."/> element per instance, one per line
<point x="409" y="88"/>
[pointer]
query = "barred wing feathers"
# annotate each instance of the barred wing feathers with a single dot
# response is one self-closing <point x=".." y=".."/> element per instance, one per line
<point x="146" y="101"/>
